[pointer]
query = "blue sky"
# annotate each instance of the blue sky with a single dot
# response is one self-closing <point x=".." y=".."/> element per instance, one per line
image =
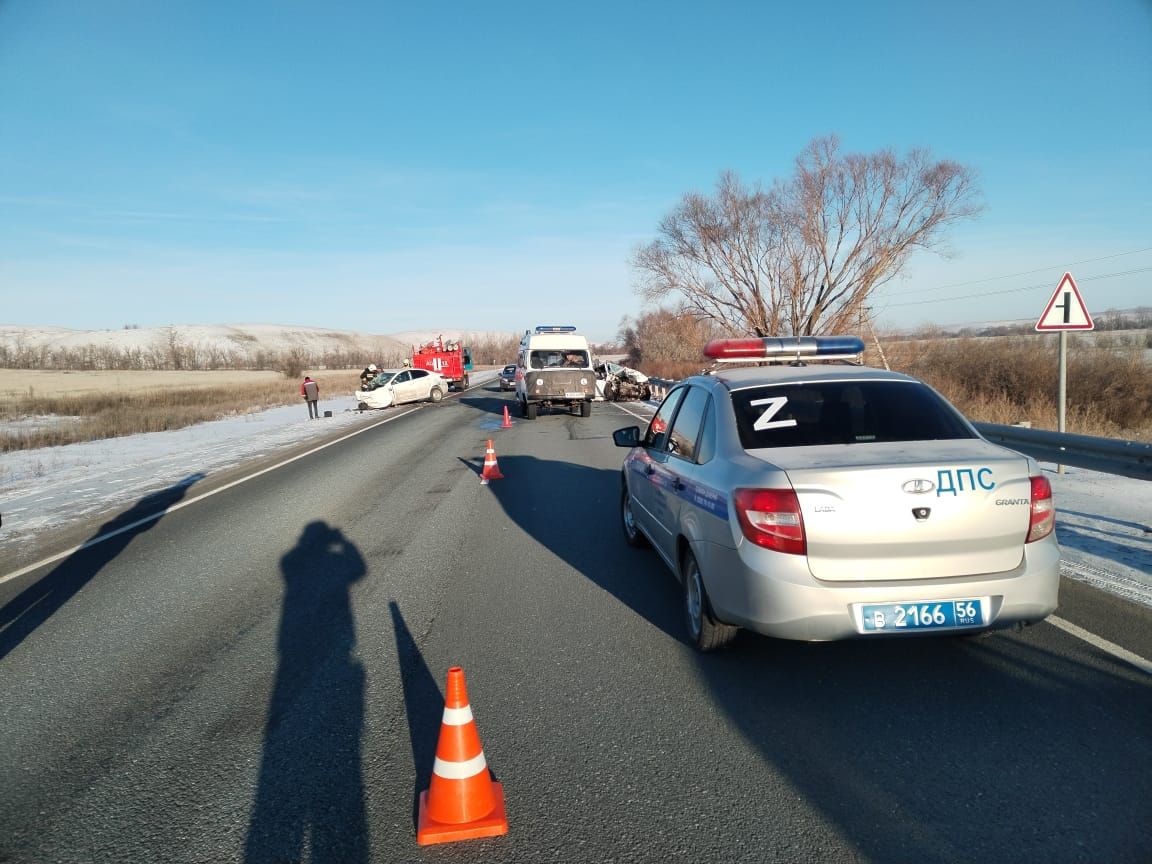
<point x="385" y="167"/>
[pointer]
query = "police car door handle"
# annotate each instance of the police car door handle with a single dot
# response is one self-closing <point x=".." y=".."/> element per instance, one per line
<point x="678" y="485"/>
<point x="649" y="469"/>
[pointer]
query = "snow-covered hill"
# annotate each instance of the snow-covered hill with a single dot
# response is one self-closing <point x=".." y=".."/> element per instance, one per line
<point x="206" y="346"/>
<point x="221" y="337"/>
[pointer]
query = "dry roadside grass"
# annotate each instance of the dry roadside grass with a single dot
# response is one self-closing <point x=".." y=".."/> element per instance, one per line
<point x="1009" y="379"/>
<point x="15" y="383"/>
<point x="89" y="406"/>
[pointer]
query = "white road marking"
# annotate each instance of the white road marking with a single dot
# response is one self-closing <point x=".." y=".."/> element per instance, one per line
<point x="179" y="506"/>
<point x="633" y="413"/>
<point x="1104" y="645"/>
<point x="1068" y="627"/>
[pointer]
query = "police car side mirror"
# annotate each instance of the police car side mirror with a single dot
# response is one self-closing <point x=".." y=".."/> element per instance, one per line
<point x="627" y="437"/>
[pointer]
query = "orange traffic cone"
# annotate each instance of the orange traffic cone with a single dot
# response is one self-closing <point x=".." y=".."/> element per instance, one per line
<point x="507" y="424"/>
<point x="491" y="469"/>
<point x="462" y="802"/>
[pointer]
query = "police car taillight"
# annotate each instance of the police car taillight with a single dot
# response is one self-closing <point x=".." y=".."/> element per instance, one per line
<point x="771" y="518"/>
<point x="1043" y="518"/>
<point x="780" y="348"/>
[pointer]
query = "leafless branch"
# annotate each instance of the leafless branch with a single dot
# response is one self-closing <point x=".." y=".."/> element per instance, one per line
<point x="804" y="256"/>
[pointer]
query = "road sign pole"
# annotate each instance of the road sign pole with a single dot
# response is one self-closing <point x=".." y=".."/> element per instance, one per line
<point x="1065" y="311"/>
<point x="1062" y="397"/>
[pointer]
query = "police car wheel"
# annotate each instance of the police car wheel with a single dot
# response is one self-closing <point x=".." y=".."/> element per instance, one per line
<point x="633" y="536"/>
<point x="530" y="409"/>
<point x="585" y="409"/>
<point x="704" y="631"/>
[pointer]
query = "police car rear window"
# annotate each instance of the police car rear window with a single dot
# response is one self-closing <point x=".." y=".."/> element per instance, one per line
<point x="845" y="412"/>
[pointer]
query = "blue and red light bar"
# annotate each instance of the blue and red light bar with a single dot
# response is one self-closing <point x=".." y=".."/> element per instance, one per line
<point x="779" y="348"/>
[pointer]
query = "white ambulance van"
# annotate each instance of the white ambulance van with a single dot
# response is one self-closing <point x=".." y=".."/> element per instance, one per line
<point x="555" y="370"/>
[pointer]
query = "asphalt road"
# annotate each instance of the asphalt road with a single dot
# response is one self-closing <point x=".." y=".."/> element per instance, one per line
<point x="258" y="677"/>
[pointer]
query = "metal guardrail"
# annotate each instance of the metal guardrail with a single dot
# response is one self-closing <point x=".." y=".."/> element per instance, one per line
<point x="660" y="387"/>
<point x="1108" y="455"/>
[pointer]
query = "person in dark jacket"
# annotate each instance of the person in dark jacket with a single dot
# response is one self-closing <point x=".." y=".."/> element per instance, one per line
<point x="310" y="390"/>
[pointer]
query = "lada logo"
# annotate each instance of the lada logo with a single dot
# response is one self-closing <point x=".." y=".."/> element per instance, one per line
<point x="918" y="487"/>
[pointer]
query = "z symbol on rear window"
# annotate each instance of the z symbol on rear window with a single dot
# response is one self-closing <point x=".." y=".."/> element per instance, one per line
<point x="765" y="421"/>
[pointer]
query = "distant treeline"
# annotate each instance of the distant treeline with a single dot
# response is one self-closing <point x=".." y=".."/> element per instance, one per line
<point x="182" y="356"/>
<point x="175" y="353"/>
<point x="1133" y="319"/>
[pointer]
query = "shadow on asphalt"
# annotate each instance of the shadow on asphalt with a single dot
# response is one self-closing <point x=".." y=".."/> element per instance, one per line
<point x="943" y="749"/>
<point x="310" y="798"/>
<point x="491" y="404"/>
<point x="927" y="750"/>
<point x="423" y="702"/>
<point x="560" y="507"/>
<point x="37" y="603"/>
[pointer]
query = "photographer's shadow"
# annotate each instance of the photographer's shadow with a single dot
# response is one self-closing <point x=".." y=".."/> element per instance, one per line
<point x="310" y="797"/>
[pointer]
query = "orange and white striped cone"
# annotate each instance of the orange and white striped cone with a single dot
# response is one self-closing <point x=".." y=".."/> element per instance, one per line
<point x="491" y="469"/>
<point x="462" y="802"/>
<point x="507" y="424"/>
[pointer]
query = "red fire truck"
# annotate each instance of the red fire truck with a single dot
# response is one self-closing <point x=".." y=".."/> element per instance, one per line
<point x="450" y="358"/>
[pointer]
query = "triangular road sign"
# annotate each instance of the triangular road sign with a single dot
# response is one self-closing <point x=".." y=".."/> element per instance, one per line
<point x="1066" y="309"/>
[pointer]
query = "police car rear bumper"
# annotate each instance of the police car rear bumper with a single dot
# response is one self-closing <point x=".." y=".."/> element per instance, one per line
<point x="791" y="604"/>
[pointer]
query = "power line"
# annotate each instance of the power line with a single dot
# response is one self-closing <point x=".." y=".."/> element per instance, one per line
<point x="1012" y="290"/>
<point x="1016" y="275"/>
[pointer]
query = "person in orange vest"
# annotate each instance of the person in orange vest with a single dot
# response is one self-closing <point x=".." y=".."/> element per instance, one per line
<point x="310" y="390"/>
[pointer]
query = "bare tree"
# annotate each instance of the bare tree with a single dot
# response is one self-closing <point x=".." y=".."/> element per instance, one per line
<point x="804" y="256"/>
<point x="665" y="336"/>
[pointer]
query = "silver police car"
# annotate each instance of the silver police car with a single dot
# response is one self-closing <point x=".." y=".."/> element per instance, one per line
<point x="809" y="497"/>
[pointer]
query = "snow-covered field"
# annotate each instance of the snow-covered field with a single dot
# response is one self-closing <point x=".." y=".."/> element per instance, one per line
<point x="1104" y="523"/>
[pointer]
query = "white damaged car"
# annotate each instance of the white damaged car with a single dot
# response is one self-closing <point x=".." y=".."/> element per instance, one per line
<point x="398" y="386"/>
<point x="616" y="383"/>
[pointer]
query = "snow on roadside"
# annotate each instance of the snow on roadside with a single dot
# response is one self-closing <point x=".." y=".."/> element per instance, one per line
<point x="51" y="487"/>
<point x="1103" y="522"/>
<point x="1104" y="525"/>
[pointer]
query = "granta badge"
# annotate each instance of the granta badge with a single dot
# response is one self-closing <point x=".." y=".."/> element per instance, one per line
<point x="918" y="487"/>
